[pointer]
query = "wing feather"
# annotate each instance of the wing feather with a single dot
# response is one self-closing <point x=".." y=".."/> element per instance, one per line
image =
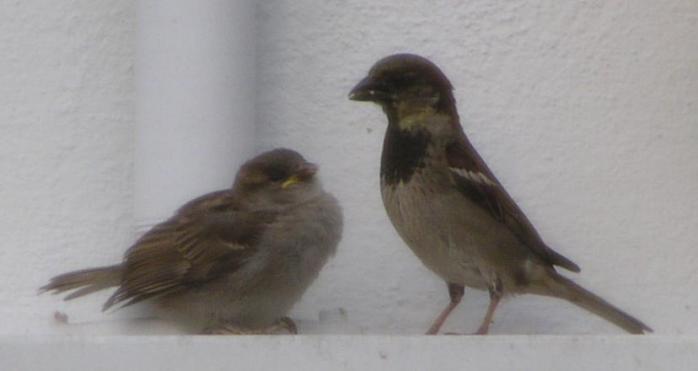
<point x="206" y="238"/>
<point x="476" y="182"/>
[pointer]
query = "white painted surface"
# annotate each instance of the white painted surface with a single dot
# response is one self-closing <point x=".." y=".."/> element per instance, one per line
<point x="586" y="111"/>
<point x="66" y="147"/>
<point x="539" y="353"/>
<point x="195" y="100"/>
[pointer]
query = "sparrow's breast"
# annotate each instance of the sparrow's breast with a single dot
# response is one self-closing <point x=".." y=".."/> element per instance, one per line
<point x="423" y="213"/>
<point x="298" y="245"/>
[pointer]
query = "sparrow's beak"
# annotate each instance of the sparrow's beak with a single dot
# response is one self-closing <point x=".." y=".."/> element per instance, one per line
<point x="307" y="171"/>
<point x="304" y="173"/>
<point x="367" y="90"/>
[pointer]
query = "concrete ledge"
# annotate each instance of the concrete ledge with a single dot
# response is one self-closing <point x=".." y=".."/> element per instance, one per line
<point x="567" y="353"/>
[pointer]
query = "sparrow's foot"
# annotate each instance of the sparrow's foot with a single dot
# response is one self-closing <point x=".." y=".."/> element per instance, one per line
<point x="282" y="325"/>
<point x="287" y="324"/>
<point x="455" y="292"/>
<point x="227" y="329"/>
<point x="483" y="330"/>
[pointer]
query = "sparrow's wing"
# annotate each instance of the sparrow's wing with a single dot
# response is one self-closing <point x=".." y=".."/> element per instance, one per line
<point x="206" y="238"/>
<point x="476" y="182"/>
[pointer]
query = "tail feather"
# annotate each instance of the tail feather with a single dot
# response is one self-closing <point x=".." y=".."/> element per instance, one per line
<point x="566" y="289"/>
<point x="86" y="281"/>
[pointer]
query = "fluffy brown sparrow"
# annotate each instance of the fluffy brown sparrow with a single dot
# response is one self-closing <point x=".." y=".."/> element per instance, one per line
<point x="450" y="209"/>
<point x="232" y="261"/>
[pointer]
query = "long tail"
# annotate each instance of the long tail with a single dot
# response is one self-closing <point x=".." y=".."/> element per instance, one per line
<point x="86" y="281"/>
<point x="566" y="289"/>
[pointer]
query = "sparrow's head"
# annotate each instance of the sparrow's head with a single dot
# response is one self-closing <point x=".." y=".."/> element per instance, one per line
<point x="405" y="79"/>
<point x="278" y="176"/>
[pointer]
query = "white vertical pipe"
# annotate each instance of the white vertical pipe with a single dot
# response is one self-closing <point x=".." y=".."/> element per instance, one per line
<point x="195" y="100"/>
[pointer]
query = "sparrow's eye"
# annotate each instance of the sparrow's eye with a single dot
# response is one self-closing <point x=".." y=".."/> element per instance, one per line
<point x="276" y="175"/>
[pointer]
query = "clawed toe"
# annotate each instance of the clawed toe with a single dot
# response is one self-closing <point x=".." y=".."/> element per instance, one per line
<point x="286" y="323"/>
<point x="282" y="325"/>
<point x="226" y="329"/>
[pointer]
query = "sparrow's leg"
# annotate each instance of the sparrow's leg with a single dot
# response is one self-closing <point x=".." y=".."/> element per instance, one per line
<point x="284" y="324"/>
<point x="495" y="290"/>
<point x="455" y="291"/>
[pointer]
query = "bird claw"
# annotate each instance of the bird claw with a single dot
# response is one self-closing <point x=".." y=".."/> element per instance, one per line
<point x="282" y="324"/>
<point x="225" y="329"/>
<point x="286" y="323"/>
<point x="481" y="331"/>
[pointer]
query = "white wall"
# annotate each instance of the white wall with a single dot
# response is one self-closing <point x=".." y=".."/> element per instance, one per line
<point x="586" y="111"/>
<point x="66" y="146"/>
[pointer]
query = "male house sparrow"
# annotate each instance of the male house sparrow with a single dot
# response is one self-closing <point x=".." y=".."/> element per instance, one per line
<point x="232" y="261"/>
<point x="447" y="205"/>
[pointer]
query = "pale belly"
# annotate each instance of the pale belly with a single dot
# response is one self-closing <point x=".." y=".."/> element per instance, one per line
<point x="438" y="237"/>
